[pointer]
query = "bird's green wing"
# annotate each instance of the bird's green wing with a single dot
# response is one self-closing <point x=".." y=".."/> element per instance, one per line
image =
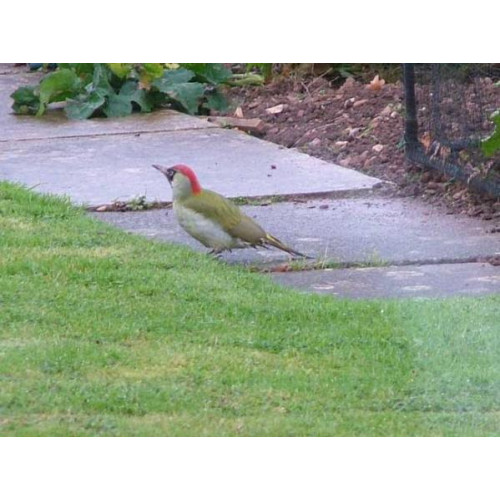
<point x="248" y="230"/>
<point x="215" y="207"/>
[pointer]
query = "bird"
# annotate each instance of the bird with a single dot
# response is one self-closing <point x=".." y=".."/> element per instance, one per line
<point x="212" y="219"/>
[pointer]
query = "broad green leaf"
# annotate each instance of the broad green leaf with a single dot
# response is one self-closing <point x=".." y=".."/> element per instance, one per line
<point x="100" y="80"/>
<point x="213" y="73"/>
<point x="83" y="70"/>
<point x="142" y="99"/>
<point x="177" y="85"/>
<point x="132" y="91"/>
<point x="84" y="106"/>
<point x="117" y="105"/>
<point x="156" y="98"/>
<point x="188" y="95"/>
<point x="492" y="143"/>
<point x="148" y="72"/>
<point x="216" y="100"/>
<point x="121" y="70"/>
<point x="153" y="70"/>
<point x="171" y="77"/>
<point x="58" y="86"/>
<point x="129" y="87"/>
<point x="26" y="102"/>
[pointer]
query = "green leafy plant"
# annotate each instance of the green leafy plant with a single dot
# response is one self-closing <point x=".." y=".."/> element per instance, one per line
<point x="118" y="89"/>
<point x="492" y="144"/>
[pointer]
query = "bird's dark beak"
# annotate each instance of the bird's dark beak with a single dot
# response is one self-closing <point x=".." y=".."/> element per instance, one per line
<point x="166" y="171"/>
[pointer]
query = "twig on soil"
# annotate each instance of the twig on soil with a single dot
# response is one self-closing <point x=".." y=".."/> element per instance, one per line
<point x="306" y="87"/>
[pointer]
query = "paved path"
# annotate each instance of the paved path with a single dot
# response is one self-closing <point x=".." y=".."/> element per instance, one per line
<point x="366" y="229"/>
<point x="339" y="215"/>
<point x="104" y="160"/>
<point x="442" y="280"/>
<point x="103" y="168"/>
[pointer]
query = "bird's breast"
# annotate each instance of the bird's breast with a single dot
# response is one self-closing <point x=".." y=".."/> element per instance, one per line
<point x="209" y="232"/>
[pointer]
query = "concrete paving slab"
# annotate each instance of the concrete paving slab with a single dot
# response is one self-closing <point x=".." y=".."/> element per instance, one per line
<point x="55" y="124"/>
<point x="102" y="169"/>
<point x="441" y="280"/>
<point x="368" y="230"/>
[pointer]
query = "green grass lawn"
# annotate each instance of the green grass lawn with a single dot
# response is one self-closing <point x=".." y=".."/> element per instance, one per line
<point x="104" y="333"/>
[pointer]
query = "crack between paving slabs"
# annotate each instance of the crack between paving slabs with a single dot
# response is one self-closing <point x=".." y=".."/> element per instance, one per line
<point x="298" y="266"/>
<point x="108" y="134"/>
<point x="258" y="200"/>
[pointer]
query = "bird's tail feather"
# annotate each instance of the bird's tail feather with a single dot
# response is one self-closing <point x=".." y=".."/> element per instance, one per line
<point x="271" y="240"/>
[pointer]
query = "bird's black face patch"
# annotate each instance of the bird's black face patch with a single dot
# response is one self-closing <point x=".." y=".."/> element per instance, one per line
<point x="170" y="174"/>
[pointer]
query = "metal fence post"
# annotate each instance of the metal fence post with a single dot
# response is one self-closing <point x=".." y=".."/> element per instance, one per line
<point x="411" y="124"/>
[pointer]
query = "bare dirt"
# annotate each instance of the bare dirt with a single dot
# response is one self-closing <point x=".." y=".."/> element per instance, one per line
<point x="354" y="125"/>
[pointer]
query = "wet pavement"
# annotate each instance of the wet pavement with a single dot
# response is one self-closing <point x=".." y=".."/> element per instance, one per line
<point x="366" y="229"/>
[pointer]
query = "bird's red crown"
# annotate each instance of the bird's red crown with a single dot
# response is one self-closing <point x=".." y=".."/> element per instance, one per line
<point x="189" y="173"/>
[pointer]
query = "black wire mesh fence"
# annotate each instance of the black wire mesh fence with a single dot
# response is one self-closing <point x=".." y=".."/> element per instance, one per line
<point x="448" y="114"/>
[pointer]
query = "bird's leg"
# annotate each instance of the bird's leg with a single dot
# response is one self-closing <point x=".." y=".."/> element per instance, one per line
<point x="216" y="253"/>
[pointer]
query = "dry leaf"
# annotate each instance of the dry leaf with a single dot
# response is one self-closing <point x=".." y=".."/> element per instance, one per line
<point x="275" y="109"/>
<point x="425" y="140"/>
<point x="361" y="102"/>
<point x="238" y="112"/>
<point x="377" y="83"/>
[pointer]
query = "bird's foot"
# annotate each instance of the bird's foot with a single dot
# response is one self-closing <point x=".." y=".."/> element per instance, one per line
<point x="216" y="254"/>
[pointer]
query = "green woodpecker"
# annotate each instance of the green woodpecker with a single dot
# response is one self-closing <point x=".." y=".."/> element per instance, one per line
<point x="213" y="220"/>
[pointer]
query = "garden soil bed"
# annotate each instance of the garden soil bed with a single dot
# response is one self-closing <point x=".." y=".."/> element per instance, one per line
<point x="355" y="126"/>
